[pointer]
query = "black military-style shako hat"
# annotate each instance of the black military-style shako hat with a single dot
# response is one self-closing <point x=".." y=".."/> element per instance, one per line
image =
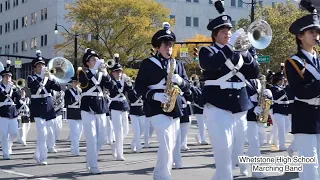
<point x="6" y="70"/>
<point x="270" y="75"/>
<point x="163" y="34"/>
<point x="223" y="20"/>
<point x="278" y="76"/>
<point x="116" y="67"/>
<point x="38" y="59"/>
<point x="88" y="53"/>
<point x="310" y="21"/>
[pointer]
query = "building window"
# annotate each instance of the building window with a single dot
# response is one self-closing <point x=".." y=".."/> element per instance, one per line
<point x="7" y="29"/>
<point x="7" y="49"/>
<point x="17" y="47"/>
<point x="24" y="1"/>
<point x="196" y="22"/>
<point x="233" y="3"/>
<point x="0" y="50"/>
<point x="6" y="5"/>
<point x="260" y="3"/>
<point x="196" y="1"/>
<point x="14" y="47"/>
<point x="33" y="18"/>
<point x="188" y="0"/>
<point x="188" y="21"/>
<point x="1" y="8"/>
<point x="44" y="40"/>
<point x="240" y="3"/>
<point x="15" y="3"/>
<point x="173" y="18"/>
<point x="210" y="2"/>
<point x="233" y="23"/>
<point x="17" y="24"/>
<point x="24" y="21"/>
<point x="14" y="24"/>
<point x="24" y="45"/>
<point x="43" y="14"/>
<point x="33" y="43"/>
<point x="0" y="29"/>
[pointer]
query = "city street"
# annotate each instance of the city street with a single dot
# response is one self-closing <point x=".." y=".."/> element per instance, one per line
<point x="198" y="162"/>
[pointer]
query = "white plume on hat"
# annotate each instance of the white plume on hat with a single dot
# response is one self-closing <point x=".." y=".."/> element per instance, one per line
<point x="9" y="62"/>
<point x="38" y="52"/>
<point x="166" y="25"/>
<point x="116" y="55"/>
<point x="86" y="50"/>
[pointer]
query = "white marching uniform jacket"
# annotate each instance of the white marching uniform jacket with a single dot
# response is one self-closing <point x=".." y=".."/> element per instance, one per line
<point x="304" y="79"/>
<point x="41" y="96"/>
<point x="151" y="79"/>
<point x="225" y="72"/>
<point x="8" y="98"/>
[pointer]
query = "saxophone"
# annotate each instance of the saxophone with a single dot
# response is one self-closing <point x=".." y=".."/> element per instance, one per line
<point x="171" y="90"/>
<point x="263" y="102"/>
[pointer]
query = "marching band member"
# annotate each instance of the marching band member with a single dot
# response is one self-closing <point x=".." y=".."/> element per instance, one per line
<point x="280" y="108"/>
<point x="291" y="149"/>
<point x="9" y="94"/>
<point x="109" y="127"/>
<point x="93" y="106"/>
<point x="254" y="88"/>
<point x="198" y="111"/>
<point x="24" y="116"/>
<point x="119" y="107"/>
<point x="148" y="129"/>
<point x="72" y="101"/>
<point x="273" y="135"/>
<point x="41" y="85"/>
<point x="58" y="104"/>
<point x="150" y="83"/>
<point x="137" y="117"/>
<point x="302" y="71"/>
<point x="225" y="95"/>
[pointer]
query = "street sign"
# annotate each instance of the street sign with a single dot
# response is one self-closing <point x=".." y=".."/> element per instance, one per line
<point x="184" y="52"/>
<point x="18" y="64"/>
<point x="263" y="59"/>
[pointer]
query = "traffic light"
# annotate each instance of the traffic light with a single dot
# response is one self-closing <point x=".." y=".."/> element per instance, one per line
<point x="153" y="52"/>
<point x="195" y="54"/>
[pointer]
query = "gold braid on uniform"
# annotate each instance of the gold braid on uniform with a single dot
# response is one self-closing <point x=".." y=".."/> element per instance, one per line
<point x="78" y="75"/>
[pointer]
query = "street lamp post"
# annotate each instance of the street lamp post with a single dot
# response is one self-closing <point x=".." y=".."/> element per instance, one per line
<point x="75" y="43"/>
<point x="253" y="5"/>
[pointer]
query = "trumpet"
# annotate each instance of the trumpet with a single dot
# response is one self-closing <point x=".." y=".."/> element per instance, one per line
<point x="259" y="36"/>
<point x="19" y="83"/>
<point x="108" y="64"/>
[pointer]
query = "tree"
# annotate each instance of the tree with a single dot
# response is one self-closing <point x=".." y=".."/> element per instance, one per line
<point x="118" y="26"/>
<point x="279" y="17"/>
<point x="192" y="67"/>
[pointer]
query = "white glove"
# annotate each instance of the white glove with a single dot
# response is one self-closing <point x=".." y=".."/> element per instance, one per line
<point x="177" y="79"/>
<point x="268" y="93"/>
<point x="42" y="72"/>
<point x="78" y="97"/>
<point x="98" y="62"/>
<point x="162" y="97"/>
<point x="235" y="36"/>
<point x="50" y="77"/>
<point x="257" y="110"/>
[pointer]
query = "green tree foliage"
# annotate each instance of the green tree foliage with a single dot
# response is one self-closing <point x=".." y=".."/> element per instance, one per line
<point x="119" y="26"/>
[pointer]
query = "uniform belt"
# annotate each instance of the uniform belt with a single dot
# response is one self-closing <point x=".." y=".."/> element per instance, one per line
<point x="120" y="99"/>
<point x="136" y="104"/>
<point x="313" y="101"/>
<point x="156" y="87"/>
<point x="6" y="104"/>
<point x="291" y="101"/>
<point x="225" y="85"/>
<point x="35" y="96"/>
<point x="74" y="106"/>
<point x="92" y="94"/>
<point x="281" y="102"/>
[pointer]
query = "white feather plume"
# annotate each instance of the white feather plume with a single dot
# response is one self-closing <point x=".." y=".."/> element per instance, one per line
<point x="79" y="68"/>
<point x="268" y="70"/>
<point x="86" y="50"/>
<point x="8" y="61"/>
<point x="281" y="64"/>
<point x="166" y="25"/>
<point x="38" y="52"/>
<point x="116" y="55"/>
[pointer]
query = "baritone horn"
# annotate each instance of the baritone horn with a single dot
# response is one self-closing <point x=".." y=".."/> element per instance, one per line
<point x="258" y="35"/>
<point x="20" y="83"/>
<point x="61" y="69"/>
<point x="107" y="64"/>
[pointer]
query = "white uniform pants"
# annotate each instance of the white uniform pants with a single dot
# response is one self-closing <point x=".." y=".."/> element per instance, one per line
<point x="253" y="139"/>
<point x="177" y="160"/>
<point x="23" y="132"/>
<point x="184" y="129"/>
<point x="288" y="123"/>
<point x="76" y="128"/>
<point x="58" y="127"/>
<point x="8" y="132"/>
<point x="165" y="128"/>
<point x="262" y="133"/>
<point x="308" y="145"/>
<point x="94" y="131"/>
<point x="227" y="136"/>
<point x="109" y="131"/>
<point x="45" y="138"/>
<point x="148" y="131"/>
<point x="137" y="124"/>
<point x="281" y="121"/>
<point x="273" y="135"/>
<point x="120" y="124"/>
<point x="201" y="126"/>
